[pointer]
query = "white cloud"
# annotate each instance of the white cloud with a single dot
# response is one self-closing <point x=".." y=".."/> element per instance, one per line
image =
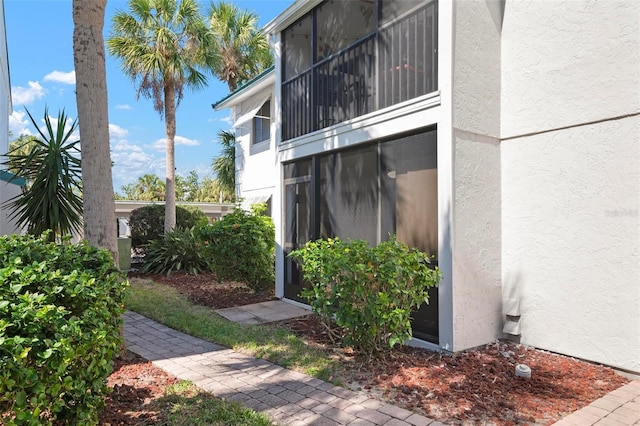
<point x="124" y="106"/>
<point x="27" y="95"/>
<point x="19" y="124"/>
<point x="131" y="161"/>
<point x="160" y="144"/>
<point x="117" y="132"/>
<point x="67" y="126"/>
<point x="228" y="120"/>
<point x="61" y="77"/>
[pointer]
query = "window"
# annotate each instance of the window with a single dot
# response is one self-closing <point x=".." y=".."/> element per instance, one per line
<point x="262" y="124"/>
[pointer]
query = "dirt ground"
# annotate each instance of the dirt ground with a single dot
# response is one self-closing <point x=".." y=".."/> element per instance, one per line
<point x="473" y="387"/>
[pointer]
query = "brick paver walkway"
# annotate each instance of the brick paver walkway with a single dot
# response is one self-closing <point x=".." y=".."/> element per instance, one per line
<point x="292" y="398"/>
<point x="288" y="397"/>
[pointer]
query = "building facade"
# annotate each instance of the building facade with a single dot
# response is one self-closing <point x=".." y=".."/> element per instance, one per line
<point x="501" y="137"/>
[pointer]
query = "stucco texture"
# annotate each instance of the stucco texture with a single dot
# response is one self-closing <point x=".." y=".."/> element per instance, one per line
<point x="571" y="239"/>
<point x="476" y="288"/>
<point x="568" y="62"/>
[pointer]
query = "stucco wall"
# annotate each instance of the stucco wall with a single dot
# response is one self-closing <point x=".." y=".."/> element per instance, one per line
<point x="476" y="274"/>
<point x="255" y="168"/>
<point x="568" y="62"/>
<point x="571" y="239"/>
<point x="571" y="176"/>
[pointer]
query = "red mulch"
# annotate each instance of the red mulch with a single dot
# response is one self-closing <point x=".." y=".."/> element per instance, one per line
<point x="474" y="387"/>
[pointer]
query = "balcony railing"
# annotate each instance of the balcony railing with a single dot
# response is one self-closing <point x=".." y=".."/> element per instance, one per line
<point x="392" y="65"/>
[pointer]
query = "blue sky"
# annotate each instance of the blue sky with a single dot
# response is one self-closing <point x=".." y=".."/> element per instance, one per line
<point x="40" y="42"/>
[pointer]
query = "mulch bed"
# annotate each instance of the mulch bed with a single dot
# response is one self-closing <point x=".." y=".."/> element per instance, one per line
<point x="473" y="387"/>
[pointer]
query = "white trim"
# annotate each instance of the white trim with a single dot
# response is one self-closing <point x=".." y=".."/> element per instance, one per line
<point x="290" y="15"/>
<point x="244" y="93"/>
<point x="253" y="110"/>
<point x="445" y="177"/>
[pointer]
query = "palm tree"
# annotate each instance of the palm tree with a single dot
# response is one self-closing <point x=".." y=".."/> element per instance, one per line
<point x="53" y="200"/>
<point x="225" y="164"/>
<point x="163" y="46"/>
<point x="242" y="48"/>
<point x="91" y="98"/>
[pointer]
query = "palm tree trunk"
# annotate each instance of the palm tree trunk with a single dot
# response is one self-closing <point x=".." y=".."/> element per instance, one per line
<point x="91" y="97"/>
<point x="170" y="129"/>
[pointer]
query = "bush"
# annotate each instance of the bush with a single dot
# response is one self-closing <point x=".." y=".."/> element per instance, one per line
<point x="60" y="317"/>
<point x="241" y="247"/>
<point x="369" y="292"/>
<point x="179" y="250"/>
<point x="147" y="223"/>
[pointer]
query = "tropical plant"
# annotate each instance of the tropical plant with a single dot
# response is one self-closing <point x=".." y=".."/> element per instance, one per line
<point x="242" y="47"/>
<point x="178" y="250"/>
<point x="369" y="292"/>
<point x="19" y="147"/>
<point x="225" y="164"/>
<point x="148" y="188"/>
<point x="52" y="167"/>
<point x="145" y="222"/>
<point x="164" y="46"/>
<point x="91" y="98"/>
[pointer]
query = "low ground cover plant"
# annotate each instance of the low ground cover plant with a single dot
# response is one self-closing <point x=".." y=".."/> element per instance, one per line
<point x="60" y="310"/>
<point x="369" y="292"/>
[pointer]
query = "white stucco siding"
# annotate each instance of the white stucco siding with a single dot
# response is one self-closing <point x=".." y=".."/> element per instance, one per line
<point x="477" y="292"/>
<point x="571" y="239"/>
<point x="255" y="164"/>
<point x="476" y="70"/>
<point x="476" y="231"/>
<point x="568" y="62"/>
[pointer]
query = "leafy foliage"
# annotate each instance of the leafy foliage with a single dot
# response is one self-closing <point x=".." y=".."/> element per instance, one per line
<point x="60" y="308"/>
<point x="241" y="247"/>
<point x="149" y="187"/>
<point x="147" y="223"/>
<point x="164" y="47"/>
<point x="242" y="48"/>
<point x="178" y="250"/>
<point x="369" y="292"/>
<point x="51" y="165"/>
<point x="225" y="164"/>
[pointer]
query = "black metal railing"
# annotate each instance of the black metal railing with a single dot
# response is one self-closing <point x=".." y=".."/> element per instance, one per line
<point x="392" y="65"/>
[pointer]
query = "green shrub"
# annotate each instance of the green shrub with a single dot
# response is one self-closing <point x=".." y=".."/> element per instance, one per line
<point x="369" y="292"/>
<point x="241" y="247"/>
<point x="147" y="223"/>
<point x="179" y="250"/>
<point x="60" y="316"/>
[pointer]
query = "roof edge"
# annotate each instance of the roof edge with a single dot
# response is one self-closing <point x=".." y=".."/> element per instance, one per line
<point x="9" y="177"/>
<point x="228" y="100"/>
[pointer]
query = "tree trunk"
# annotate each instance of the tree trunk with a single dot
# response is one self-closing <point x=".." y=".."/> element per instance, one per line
<point x="170" y="128"/>
<point x="91" y="97"/>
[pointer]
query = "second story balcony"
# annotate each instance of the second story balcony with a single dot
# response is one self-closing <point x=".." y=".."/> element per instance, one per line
<point x="348" y="58"/>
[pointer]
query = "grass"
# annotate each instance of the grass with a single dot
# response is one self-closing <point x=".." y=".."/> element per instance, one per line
<point x="164" y="304"/>
<point x="186" y="405"/>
